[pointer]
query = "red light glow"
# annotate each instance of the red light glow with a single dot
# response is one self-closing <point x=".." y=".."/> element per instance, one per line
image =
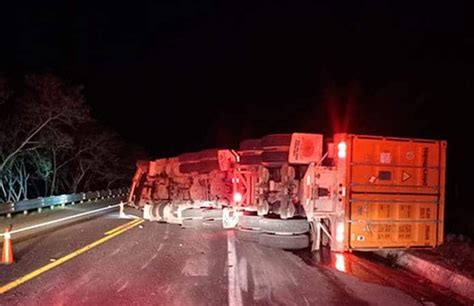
<point x="237" y="197"/>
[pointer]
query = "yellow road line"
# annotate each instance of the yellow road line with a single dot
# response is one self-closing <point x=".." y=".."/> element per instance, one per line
<point x="121" y="226"/>
<point x="62" y="260"/>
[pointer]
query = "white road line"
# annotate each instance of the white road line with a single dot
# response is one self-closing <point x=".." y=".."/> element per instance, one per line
<point x="235" y="295"/>
<point x="60" y="220"/>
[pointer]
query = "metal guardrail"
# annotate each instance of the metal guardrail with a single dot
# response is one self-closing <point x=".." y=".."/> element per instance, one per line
<point x="35" y="226"/>
<point x="39" y="203"/>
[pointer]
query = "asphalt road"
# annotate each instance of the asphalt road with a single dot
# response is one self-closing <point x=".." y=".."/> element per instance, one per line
<point x="164" y="264"/>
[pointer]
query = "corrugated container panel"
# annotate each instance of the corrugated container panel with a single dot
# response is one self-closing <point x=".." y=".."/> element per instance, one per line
<point x="394" y="165"/>
<point x="390" y="235"/>
<point x="385" y="220"/>
<point x="396" y="192"/>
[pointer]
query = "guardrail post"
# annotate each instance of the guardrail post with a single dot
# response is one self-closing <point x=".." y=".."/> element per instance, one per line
<point x="40" y="209"/>
<point x="9" y="215"/>
<point x="25" y="212"/>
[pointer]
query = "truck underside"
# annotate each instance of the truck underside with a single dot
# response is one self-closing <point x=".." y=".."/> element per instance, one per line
<point x="294" y="190"/>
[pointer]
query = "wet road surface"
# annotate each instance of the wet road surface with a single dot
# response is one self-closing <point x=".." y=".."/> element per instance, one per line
<point x="164" y="264"/>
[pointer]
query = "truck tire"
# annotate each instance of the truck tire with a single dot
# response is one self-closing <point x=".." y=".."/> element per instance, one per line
<point x="192" y="223"/>
<point x="293" y="242"/>
<point x="250" y="145"/>
<point x="209" y="154"/>
<point x="276" y="140"/>
<point x="250" y="222"/>
<point x="212" y="214"/>
<point x="207" y="166"/>
<point x="192" y="213"/>
<point x="157" y="211"/>
<point x="189" y="167"/>
<point x="275" y="157"/>
<point x="188" y="157"/>
<point x="285" y="227"/>
<point x="248" y="235"/>
<point x="201" y="213"/>
<point x="250" y="159"/>
<point x="216" y="223"/>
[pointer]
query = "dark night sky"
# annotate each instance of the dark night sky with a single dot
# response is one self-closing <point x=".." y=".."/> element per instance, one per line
<point x="178" y="76"/>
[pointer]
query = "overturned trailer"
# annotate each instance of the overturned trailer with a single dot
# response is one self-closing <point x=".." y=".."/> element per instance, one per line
<point x="350" y="192"/>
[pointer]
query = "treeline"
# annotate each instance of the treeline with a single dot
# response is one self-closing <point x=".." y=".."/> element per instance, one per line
<point x="50" y="144"/>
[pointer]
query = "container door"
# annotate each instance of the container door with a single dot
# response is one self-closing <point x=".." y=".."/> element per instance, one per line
<point x="396" y="192"/>
<point x="396" y="166"/>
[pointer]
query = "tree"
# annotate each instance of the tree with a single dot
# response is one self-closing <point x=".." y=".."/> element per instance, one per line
<point x="14" y="181"/>
<point x="49" y="144"/>
<point x="40" y="119"/>
<point x="49" y="105"/>
<point x="42" y="170"/>
<point x="100" y="161"/>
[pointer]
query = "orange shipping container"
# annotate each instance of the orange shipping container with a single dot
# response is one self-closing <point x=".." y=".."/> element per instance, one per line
<point x="395" y="192"/>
